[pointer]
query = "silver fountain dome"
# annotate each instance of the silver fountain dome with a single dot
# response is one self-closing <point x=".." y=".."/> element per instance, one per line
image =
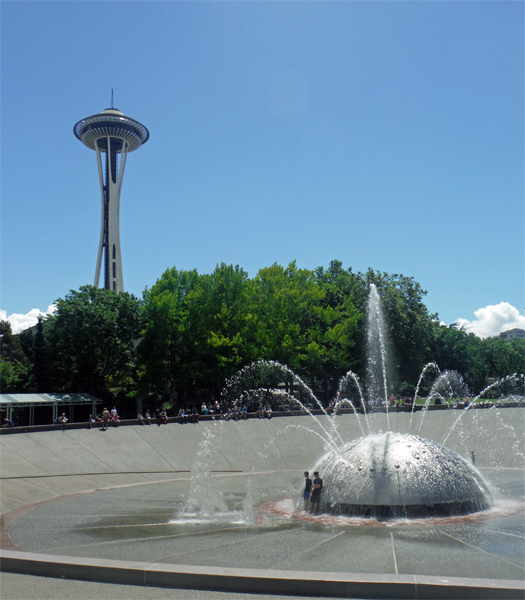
<point x="394" y="474"/>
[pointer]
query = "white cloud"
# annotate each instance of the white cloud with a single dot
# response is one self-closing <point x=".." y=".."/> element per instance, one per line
<point x="493" y="319"/>
<point x="20" y="322"/>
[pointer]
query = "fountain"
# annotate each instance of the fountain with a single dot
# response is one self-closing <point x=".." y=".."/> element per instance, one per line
<point x="406" y="509"/>
<point x="392" y="474"/>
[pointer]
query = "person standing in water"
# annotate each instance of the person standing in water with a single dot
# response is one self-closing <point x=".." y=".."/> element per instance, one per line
<point x="315" y="498"/>
<point x="307" y="489"/>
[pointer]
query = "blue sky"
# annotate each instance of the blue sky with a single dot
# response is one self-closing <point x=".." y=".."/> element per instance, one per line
<point x="383" y="134"/>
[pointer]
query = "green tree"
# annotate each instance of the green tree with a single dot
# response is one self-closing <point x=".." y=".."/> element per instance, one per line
<point x="166" y="339"/>
<point x="504" y="358"/>
<point x="92" y="336"/>
<point x="282" y="309"/>
<point x="290" y="320"/>
<point x="15" y="367"/>
<point x="476" y="359"/>
<point x="192" y="339"/>
<point x="41" y="355"/>
<point x="217" y="310"/>
<point x="345" y="295"/>
<point x="449" y="348"/>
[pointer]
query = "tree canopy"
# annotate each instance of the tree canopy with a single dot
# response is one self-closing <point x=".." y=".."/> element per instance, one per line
<point x="91" y="340"/>
<point x="190" y="332"/>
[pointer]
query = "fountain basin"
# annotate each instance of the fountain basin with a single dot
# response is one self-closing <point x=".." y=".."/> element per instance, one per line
<point x="394" y="475"/>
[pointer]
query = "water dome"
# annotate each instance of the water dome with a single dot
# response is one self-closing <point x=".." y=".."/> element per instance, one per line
<point x="400" y="475"/>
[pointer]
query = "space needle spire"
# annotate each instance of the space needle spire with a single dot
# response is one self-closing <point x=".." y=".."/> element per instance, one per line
<point x="112" y="135"/>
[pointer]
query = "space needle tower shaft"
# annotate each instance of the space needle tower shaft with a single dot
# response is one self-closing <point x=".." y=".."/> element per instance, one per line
<point x="112" y="135"/>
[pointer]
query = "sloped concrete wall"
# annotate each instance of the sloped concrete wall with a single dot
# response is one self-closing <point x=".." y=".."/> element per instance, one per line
<point x="37" y="466"/>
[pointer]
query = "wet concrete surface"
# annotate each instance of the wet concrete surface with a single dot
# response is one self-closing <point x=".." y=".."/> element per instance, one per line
<point x="144" y="523"/>
<point x="141" y="521"/>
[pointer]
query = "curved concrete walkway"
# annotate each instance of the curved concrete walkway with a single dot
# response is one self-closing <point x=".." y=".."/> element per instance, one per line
<point x="45" y="466"/>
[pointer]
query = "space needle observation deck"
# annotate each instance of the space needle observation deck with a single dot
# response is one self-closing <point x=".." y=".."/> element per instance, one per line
<point x="112" y="135"/>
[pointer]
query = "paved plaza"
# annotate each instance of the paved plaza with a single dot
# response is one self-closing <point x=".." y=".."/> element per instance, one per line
<point x="120" y="498"/>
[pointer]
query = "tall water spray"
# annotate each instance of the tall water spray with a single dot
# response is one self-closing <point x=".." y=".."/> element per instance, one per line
<point x="378" y="368"/>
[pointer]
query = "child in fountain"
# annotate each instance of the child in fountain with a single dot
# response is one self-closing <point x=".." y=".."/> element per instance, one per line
<point x="315" y="498"/>
<point x="307" y="488"/>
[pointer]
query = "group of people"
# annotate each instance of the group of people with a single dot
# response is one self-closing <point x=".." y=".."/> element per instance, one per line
<point x="187" y="416"/>
<point x="312" y="492"/>
<point x="236" y="413"/>
<point x="264" y="412"/>
<point x="144" y="420"/>
<point x="215" y="410"/>
<point x="161" y="416"/>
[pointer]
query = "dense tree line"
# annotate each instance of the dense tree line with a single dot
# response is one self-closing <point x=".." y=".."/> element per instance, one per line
<point x="191" y="331"/>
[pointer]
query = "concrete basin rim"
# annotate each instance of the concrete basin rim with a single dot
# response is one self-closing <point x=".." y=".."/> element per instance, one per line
<point x="311" y="583"/>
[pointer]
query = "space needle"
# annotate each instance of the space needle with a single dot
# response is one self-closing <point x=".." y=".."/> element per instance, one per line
<point x="112" y="134"/>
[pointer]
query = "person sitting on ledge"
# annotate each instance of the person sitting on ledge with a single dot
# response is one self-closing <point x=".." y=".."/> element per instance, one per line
<point x="8" y="423"/>
<point x="183" y="416"/>
<point x="63" y="420"/>
<point x="148" y="418"/>
<point x="141" y="418"/>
